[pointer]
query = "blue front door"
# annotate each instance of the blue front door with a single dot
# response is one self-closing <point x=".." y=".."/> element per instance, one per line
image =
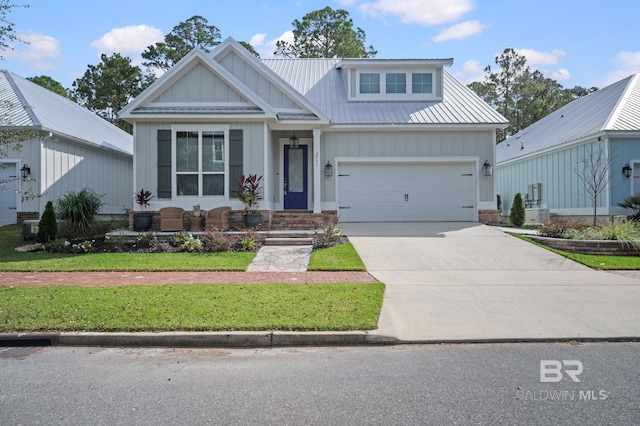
<point x="295" y="178"/>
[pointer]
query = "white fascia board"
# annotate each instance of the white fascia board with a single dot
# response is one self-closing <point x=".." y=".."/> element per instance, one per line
<point x="560" y="147"/>
<point x="231" y="44"/>
<point x="413" y="127"/>
<point x="383" y="63"/>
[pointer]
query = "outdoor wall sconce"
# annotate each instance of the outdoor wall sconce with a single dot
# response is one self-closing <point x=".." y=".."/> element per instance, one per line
<point x="626" y="170"/>
<point x="294" y="142"/>
<point x="487" y="168"/>
<point x="26" y="171"/>
<point x="328" y="169"/>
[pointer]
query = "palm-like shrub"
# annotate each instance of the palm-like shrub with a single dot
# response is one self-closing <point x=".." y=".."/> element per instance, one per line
<point x="632" y="202"/>
<point x="516" y="214"/>
<point x="80" y="208"/>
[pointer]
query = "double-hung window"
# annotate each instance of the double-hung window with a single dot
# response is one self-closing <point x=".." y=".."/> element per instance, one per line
<point x="200" y="162"/>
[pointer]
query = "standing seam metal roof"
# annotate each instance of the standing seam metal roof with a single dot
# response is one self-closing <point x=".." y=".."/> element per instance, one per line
<point x="320" y="81"/>
<point x="27" y="104"/>
<point x="613" y="108"/>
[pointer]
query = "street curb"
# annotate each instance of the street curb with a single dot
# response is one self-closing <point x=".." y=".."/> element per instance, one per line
<point x="259" y="339"/>
<point x="239" y="339"/>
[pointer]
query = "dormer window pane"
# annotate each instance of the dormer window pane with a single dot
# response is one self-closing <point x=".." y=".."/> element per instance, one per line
<point x="369" y="83"/>
<point x="396" y="83"/>
<point x="421" y="83"/>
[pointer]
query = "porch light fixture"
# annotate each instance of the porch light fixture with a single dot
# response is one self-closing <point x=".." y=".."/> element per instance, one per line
<point x="626" y="170"/>
<point x="328" y="169"/>
<point x="294" y="142"/>
<point x="26" y="171"/>
<point x="487" y="168"/>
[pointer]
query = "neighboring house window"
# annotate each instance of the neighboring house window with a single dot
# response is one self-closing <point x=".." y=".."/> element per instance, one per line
<point x="396" y="83"/>
<point x="421" y="83"/>
<point x="200" y="162"/>
<point x="369" y="82"/>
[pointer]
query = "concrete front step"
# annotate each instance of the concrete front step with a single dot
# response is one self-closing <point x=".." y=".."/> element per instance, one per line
<point x="288" y="241"/>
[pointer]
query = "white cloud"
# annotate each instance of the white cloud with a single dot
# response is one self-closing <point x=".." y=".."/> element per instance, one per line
<point x="625" y="64"/>
<point x="542" y="58"/>
<point x="460" y="31"/>
<point x="125" y="40"/>
<point x="423" y="12"/>
<point x="266" y="48"/>
<point x="471" y="71"/>
<point x="42" y="53"/>
<point x="559" y="75"/>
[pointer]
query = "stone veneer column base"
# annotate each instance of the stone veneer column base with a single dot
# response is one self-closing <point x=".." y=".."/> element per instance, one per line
<point x="489" y="217"/>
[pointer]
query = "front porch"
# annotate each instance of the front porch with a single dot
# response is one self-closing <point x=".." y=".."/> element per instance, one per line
<point x="279" y="220"/>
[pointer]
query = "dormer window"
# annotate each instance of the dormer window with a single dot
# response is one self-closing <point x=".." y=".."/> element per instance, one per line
<point x="369" y="82"/>
<point x="396" y="82"/>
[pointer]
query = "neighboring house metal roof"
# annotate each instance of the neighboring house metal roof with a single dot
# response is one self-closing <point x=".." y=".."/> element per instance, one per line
<point x="613" y="108"/>
<point x="321" y="81"/>
<point x="27" y="104"/>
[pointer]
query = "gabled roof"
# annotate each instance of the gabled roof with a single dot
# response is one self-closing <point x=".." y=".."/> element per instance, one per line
<point x="27" y="104"/>
<point x="321" y="81"/>
<point x="616" y="108"/>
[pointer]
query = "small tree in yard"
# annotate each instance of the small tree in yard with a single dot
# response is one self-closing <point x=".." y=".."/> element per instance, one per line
<point x="48" y="227"/>
<point x="592" y="168"/>
<point x="516" y="214"/>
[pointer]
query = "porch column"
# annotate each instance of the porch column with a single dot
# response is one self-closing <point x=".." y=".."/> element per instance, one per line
<point x="317" y="167"/>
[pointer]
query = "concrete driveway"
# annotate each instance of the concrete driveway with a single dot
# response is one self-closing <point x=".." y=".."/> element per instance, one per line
<point x="466" y="281"/>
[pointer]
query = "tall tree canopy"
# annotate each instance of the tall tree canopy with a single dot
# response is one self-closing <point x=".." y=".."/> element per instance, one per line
<point x="194" y="32"/>
<point x="326" y="33"/>
<point x="108" y="87"/>
<point x="522" y="95"/>
<point x="49" y="83"/>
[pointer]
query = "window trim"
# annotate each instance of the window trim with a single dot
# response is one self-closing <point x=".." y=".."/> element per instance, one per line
<point x="383" y="95"/>
<point x="174" y="153"/>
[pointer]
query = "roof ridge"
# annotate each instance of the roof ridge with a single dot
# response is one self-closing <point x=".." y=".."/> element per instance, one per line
<point x="617" y="110"/>
<point x="23" y="101"/>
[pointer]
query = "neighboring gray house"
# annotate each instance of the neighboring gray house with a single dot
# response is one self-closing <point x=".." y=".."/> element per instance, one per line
<point x="377" y="139"/>
<point x="71" y="148"/>
<point x="541" y="161"/>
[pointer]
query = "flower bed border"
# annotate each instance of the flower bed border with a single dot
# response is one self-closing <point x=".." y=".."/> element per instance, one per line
<point x="599" y="247"/>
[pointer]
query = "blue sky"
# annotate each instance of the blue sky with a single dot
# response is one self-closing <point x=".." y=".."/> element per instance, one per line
<point x="586" y="42"/>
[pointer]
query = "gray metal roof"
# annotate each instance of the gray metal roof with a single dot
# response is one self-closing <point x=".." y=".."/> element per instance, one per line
<point x="321" y="81"/>
<point x="614" y="108"/>
<point x="26" y="104"/>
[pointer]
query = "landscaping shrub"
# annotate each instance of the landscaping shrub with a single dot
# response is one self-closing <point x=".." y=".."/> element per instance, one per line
<point x="558" y="227"/>
<point x="632" y="202"/>
<point x="80" y="208"/>
<point x="187" y="242"/>
<point x="215" y="240"/>
<point x="48" y="227"/>
<point x="251" y="240"/>
<point x="516" y="214"/>
<point x="330" y="236"/>
<point x="626" y="232"/>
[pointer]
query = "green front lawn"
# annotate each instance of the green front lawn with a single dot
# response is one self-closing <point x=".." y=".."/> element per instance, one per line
<point x="593" y="261"/>
<point x="343" y="257"/>
<point x="202" y="307"/>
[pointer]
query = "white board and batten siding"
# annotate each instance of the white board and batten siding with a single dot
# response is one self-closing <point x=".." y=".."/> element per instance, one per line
<point x="406" y="190"/>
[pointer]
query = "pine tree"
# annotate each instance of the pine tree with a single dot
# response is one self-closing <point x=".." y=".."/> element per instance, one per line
<point x="48" y="227"/>
<point x="516" y="214"/>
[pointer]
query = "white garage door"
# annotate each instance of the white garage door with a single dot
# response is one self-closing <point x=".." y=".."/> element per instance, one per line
<point x="406" y="192"/>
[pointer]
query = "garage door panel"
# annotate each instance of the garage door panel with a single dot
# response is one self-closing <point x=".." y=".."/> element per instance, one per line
<point x="387" y="191"/>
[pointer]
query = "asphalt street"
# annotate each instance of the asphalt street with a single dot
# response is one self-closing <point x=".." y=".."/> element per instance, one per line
<point x="377" y="385"/>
